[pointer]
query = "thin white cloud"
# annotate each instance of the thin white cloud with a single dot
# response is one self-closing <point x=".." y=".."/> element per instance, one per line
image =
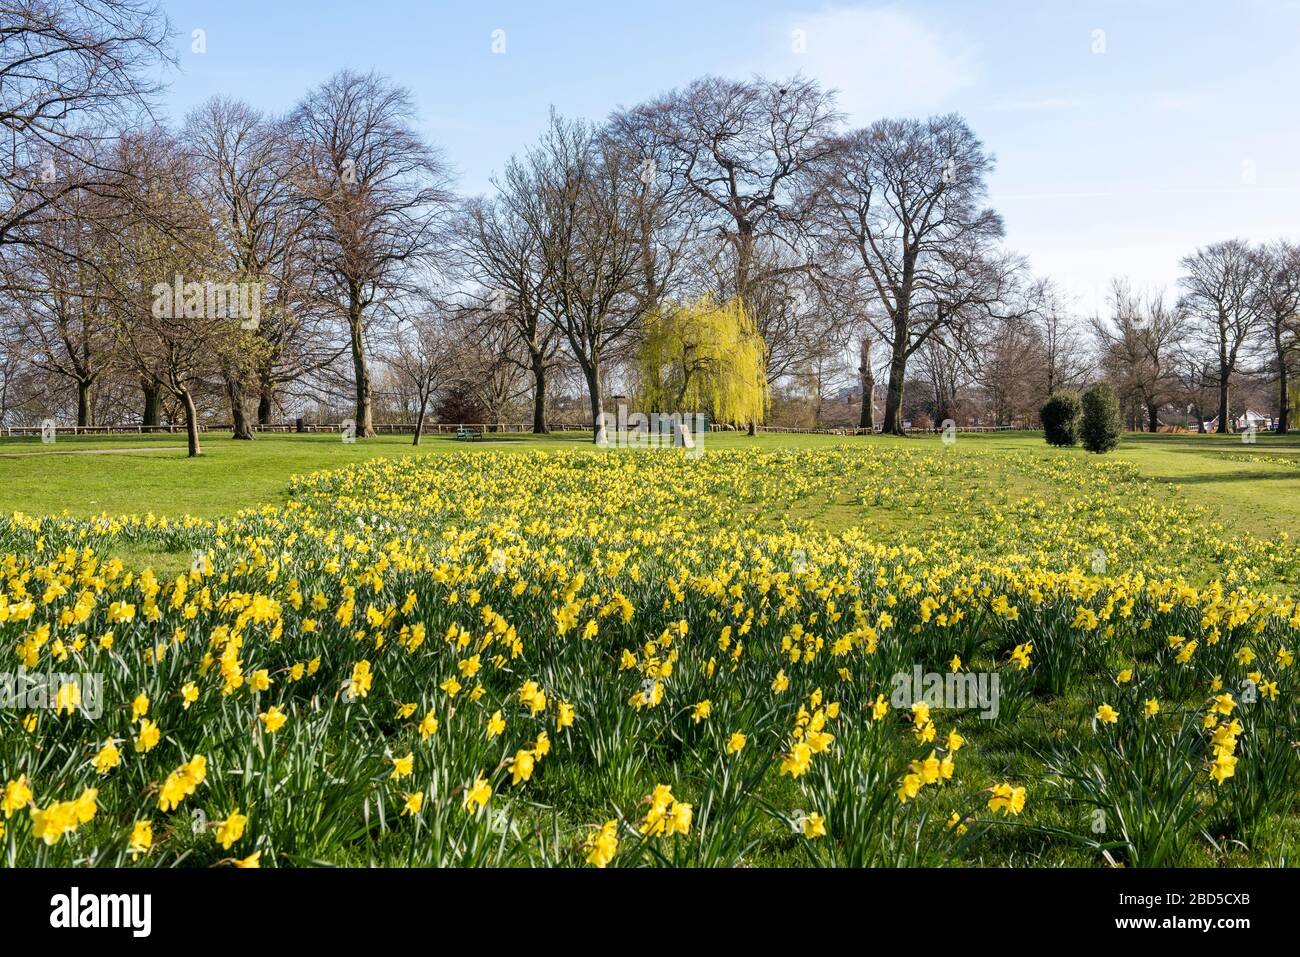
<point x="882" y="60"/>
<point x="1047" y="104"/>
<point x="1175" y="101"/>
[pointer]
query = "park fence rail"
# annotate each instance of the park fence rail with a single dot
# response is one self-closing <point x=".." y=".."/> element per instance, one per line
<point x="847" y="430"/>
<point x="439" y="428"/>
<point x="442" y="428"/>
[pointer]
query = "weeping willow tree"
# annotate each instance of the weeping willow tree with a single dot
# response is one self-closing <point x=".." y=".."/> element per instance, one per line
<point x="704" y="357"/>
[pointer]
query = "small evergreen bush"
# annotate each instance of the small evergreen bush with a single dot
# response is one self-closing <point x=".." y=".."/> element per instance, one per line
<point x="1102" y="422"/>
<point x="1060" y="417"/>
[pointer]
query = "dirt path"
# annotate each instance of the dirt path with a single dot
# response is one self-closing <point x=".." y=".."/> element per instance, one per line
<point x="26" y="455"/>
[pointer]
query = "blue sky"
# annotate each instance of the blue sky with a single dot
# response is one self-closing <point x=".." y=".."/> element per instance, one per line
<point x="1126" y="133"/>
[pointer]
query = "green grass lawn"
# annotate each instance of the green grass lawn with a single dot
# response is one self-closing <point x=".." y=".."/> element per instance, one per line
<point x="1252" y="488"/>
<point x="146" y="473"/>
<point x="230" y="475"/>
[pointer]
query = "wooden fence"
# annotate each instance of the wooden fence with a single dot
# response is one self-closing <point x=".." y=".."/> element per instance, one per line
<point x="935" y="430"/>
<point x="439" y="428"/>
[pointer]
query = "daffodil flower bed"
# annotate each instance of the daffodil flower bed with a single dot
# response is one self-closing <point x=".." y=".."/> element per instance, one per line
<point x="636" y="658"/>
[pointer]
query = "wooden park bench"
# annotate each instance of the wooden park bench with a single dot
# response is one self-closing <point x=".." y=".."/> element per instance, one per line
<point x="467" y="433"/>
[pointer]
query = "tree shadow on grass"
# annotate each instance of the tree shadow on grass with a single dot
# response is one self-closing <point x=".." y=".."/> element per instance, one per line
<point x="1214" y="477"/>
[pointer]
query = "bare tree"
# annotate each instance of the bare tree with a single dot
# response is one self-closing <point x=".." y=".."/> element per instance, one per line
<point x="866" y="382"/>
<point x="423" y="354"/>
<point x="1065" y="361"/>
<point x="904" y="203"/>
<point x="668" y="215"/>
<point x="748" y="152"/>
<point x="1221" y="294"/>
<point x="61" y="322"/>
<point x="67" y="68"/>
<point x="582" y="211"/>
<point x="170" y="332"/>
<point x="490" y="362"/>
<point x="949" y="368"/>
<point x="1279" y="296"/>
<point x="242" y="172"/>
<point x="245" y="169"/>
<point x="1137" y="347"/>
<point x="377" y="196"/>
<point x="743" y="157"/>
<point x="504" y="253"/>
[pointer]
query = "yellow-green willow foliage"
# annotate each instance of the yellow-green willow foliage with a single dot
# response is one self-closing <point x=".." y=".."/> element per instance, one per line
<point x="704" y="357"/>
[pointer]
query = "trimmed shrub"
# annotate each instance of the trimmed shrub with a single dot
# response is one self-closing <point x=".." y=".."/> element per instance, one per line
<point x="1102" y="423"/>
<point x="1060" y="417"/>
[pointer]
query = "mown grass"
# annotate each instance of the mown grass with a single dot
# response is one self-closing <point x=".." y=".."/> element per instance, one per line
<point x="1253" y="488"/>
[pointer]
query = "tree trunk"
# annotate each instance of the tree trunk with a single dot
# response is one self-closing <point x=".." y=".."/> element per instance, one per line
<point x="893" y="423"/>
<point x="365" y="423"/>
<point x="264" y="407"/>
<point x="419" y="419"/>
<point x="191" y="423"/>
<point x="1153" y="416"/>
<point x="152" y="403"/>
<point x="539" y="394"/>
<point x="83" y="403"/>
<point x="1223" y="404"/>
<point x="238" y="411"/>
<point x="744" y="254"/>
<point x="597" y="403"/>
<point x="1283" y="396"/>
<point x="868" y="381"/>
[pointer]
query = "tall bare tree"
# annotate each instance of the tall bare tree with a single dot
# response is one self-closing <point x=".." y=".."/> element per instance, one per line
<point x="583" y="212"/>
<point x="1220" y="292"/>
<point x="242" y="172"/>
<point x="490" y="362"/>
<point x="748" y="151"/>
<point x="69" y="68"/>
<point x="61" y="322"/>
<point x="504" y="253"/>
<point x="177" y="341"/>
<point x="1138" y="348"/>
<point x="1065" y="360"/>
<point x="744" y="157"/>
<point x="1279" y="294"/>
<point x="422" y="352"/>
<point x="905" y="203"/>
<point x="377" y="197"/>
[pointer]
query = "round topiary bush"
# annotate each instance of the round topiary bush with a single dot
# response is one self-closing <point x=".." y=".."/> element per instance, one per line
<point x="1060" y="417"/>
<point x="1102" y="422"/>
